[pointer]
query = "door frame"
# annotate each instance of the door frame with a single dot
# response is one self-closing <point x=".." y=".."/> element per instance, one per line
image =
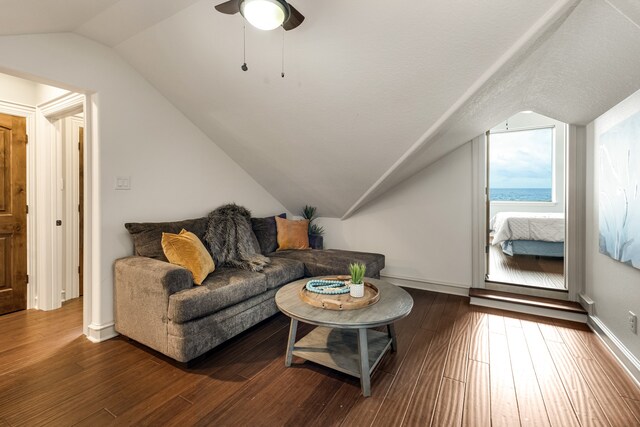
<point x="50" y="237"/>
<point x="575" y="187"/>
<point x="29" y="113"/>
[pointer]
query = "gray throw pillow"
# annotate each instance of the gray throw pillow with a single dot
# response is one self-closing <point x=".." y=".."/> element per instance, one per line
<point x="147" y="236"/>
<point x="266" y="233"/>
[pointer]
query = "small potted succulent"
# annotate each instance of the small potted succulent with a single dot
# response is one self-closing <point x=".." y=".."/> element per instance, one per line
<point x="356" y="285"/>
<point x="316" y="241"/>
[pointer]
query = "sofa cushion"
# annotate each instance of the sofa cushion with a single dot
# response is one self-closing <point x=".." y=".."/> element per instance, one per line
<point x="223" y="288"/>
<point x="266" y="232"/>
<point x="147" y="236"/>
<point x="333" y="261"/>
<point x="282" y="271"/>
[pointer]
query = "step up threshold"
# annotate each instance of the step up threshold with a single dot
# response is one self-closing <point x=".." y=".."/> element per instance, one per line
<point x="548" y="307"/>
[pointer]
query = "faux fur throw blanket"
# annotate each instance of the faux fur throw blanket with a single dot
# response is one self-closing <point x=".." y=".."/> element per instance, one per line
<point x="231" y="239"/>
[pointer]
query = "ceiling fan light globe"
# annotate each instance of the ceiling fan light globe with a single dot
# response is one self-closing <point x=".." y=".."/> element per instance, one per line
<point x="264" y="14"/>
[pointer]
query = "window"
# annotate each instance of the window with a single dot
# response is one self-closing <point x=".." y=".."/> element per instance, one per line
<point x="521" y="166"/>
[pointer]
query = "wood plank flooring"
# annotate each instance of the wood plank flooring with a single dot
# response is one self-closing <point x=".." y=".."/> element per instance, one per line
<point x="543" y="272"/>
<point x="456" y="365"/>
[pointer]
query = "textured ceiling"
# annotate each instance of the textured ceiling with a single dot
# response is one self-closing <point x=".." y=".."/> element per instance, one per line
<point x="362" y="84"/>
<point x="47" y="16"/>
<point x="372" y="94"/>
<point x="576" y="70"/>
<point x="128" y="17"/>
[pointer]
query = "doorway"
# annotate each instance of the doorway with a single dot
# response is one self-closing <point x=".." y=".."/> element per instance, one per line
<point x="41" y="202"/>
<point x="525" y="219"/>
<point x="69" y="212"/>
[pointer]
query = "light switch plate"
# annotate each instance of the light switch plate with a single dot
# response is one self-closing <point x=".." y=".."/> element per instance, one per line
<point x="123" y="183"/>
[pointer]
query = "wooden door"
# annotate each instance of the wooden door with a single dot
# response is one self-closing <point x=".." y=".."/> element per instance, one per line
<point x="81" y="208"/>
<point x="13" y="214"/>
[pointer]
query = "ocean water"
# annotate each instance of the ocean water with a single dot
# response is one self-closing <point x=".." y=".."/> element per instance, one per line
<point x="520" y="194"/>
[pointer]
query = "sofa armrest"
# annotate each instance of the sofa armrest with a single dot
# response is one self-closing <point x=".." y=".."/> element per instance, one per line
<point x="148" y="272"/>
<point x="142" y="289"/>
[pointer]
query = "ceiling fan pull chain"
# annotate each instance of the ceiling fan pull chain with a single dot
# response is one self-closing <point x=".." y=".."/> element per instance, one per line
<point x="244" y="47"/>
<point x="282" y="73"/>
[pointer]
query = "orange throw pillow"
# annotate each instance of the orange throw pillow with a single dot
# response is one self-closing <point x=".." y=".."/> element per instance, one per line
<point x="292" y="234"/>
<point x="186" y="250"/>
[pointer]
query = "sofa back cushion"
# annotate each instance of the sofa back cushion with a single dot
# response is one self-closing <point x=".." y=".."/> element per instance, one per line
<point x="266" y="232"/>
<point x="147" y="236"/>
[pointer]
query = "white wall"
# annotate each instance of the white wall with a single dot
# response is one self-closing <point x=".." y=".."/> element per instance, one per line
<point x="176" y="171"/>
<point x="26" y="92"/>
<point x="17" y="90"/>
<point x="615" y="287"/>
<point x="423" y="226"/>
<point x="46" y="93"/>
<point x="529" y="120"/>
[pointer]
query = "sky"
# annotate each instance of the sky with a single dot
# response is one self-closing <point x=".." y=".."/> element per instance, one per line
<point x="522" y="159"/>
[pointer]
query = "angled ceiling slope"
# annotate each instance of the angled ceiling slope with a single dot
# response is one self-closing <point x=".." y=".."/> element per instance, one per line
<point x="48" y="16"/>
<point x="362" y="84"/>
<point x="580" y="66"/>
<point x="372" y="95"/>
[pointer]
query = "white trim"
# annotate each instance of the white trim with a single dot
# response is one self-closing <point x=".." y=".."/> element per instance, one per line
<point x="428" y="285"/>
<point x="66" y="105"/>
<point x="523" y="308"/>
<point x="45" y="201"/>
<point x="553" y="293"/>
<point x="29" y="113"/>
<point x="92" y="281"/>
<point x="522" y="129"/>
<point x="587" y="303"/>
<point x="626" y="358"/>
<point x="575" y="209"/>
<point x="478" y="220"/>
<point x="49" y="158"/>
<point x="99" y="333"/>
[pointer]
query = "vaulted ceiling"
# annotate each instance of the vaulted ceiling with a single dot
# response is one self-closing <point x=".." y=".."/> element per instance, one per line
<point x="372" y="94"/>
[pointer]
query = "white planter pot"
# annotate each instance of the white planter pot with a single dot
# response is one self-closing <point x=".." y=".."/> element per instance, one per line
<point x="356" y="291"/>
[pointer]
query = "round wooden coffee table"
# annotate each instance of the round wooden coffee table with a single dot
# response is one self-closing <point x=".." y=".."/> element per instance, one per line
<point x="343" y="339"/>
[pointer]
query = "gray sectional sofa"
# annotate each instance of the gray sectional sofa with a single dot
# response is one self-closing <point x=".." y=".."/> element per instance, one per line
<point x="157" y="304"/>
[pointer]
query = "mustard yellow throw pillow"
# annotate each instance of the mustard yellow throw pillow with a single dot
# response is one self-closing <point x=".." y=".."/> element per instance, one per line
<point x="292" y="234"/>
<point x="186" y="250"/>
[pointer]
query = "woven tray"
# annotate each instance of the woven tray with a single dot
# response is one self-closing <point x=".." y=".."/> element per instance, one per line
<point x="341" y="301"/>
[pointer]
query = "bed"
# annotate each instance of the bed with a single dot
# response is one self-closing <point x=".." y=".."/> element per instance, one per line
<point x="526" y="233"/>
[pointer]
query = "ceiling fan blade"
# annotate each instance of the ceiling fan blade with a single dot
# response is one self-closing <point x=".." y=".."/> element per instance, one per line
<point x="295" y="19"/>
<point x="230" y="7"/>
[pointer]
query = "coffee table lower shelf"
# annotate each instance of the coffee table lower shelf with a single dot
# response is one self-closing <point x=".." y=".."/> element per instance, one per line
<point x="339" y="349"/>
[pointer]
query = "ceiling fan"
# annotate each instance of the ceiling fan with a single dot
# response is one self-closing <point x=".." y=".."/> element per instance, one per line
<point x="264" y="14"/>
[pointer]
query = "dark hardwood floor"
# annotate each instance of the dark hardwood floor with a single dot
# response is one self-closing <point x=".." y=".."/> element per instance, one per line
<point x="541" y="272"/>
<point x="456" y="365"/>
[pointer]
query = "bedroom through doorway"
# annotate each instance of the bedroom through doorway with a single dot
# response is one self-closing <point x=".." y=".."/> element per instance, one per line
<point x="525" y="202"/>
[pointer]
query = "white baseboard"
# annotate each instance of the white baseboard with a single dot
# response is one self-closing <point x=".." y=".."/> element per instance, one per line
<point x="616" y="347"/>
<point x="587" y="303"/>
<point x="99" y="333"/>
<point x="427" y="285"/>
<point x="523" y="308"/>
